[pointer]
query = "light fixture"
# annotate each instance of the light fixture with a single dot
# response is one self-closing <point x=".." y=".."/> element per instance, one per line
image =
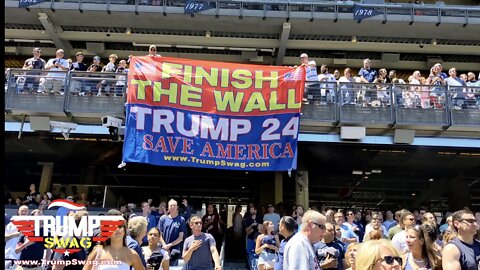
<point x="368" y="173"/>
<point x="354" y="38"/>
<point x="376" y="171"/>
<point x="357" y="172"/>
<point x="413" y="194"/>
<point x="208" y="34"/>
<point x="431" y="180"/>
<point x="434" y="42"/>
<point x="365" y="177"/>
<point x="128" y="31"/>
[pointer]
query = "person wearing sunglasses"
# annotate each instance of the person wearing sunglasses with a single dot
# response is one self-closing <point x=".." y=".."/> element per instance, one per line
<point x="421" y="252"/>
<point x="34" y="63"/>
<point x="199" y="249"/>
<point x="299" y="252"/>
<point x="407" y="220"/>
<point x="152" y="51"/>
<point x="378" y="255"/>
<point x="463" y="252"/>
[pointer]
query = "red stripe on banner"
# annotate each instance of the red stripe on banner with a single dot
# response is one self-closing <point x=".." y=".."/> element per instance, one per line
<point x="74" y="250"/>
<point x="112" y="222"/>
<point x="35" y="239"/>
<point x="23" y="222"/>
<point x="99" y="239"/>
<point x="28" y="233"/>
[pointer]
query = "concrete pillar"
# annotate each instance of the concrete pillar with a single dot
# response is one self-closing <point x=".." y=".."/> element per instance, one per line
<point x="278" y="187"/>
<point x="46" y="178"/>
<point x="301" y="189"/>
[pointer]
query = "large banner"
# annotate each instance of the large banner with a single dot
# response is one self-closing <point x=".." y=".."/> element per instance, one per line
<point x="206" y="114"/>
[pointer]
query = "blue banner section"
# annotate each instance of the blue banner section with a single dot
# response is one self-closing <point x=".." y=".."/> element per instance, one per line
<point x="193" y="6"/>
<point x="361" y="12"/>
<point x="175" y="137"/>
<point x="27" y="3"/>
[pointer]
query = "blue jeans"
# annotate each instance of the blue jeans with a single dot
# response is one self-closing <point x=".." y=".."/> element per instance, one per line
<point x="251" y="255"/>
<point x="174" y="257"/>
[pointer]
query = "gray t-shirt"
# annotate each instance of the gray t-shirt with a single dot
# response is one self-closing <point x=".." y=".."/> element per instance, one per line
<point x="201" y="258"/>
<point x="299" y="254"/>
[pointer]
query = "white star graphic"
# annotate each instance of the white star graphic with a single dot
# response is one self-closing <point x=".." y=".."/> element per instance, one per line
<point x="66" y="253"/>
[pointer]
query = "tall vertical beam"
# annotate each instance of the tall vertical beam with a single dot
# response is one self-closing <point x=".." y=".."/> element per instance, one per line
<point x="278" y="187"/>
<point x="53" y="30"/>
<point x="283" y="43"/>
<point x="46" y="178"/>
<point x="301" y="189"/>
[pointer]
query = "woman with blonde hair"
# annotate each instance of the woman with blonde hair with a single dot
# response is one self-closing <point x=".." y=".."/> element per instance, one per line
<point x="350" y="255"/>
<point x="378" y="255"/>
<point x="267" y="245"/>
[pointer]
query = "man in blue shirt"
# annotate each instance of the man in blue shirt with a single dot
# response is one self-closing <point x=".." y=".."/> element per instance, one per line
<point x="329" y="252"/>
<point x="151" y="222"/>
<point x="173" y="228"/>
<point x="348" y="236"/>
<point x="286" y="229"/>
<point x="367" y="74"/>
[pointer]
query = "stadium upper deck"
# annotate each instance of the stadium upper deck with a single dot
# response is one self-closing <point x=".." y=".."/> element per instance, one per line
<point x="401" y="36"/>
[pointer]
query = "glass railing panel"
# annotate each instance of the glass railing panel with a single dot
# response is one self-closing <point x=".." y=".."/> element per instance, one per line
<point x="420" y="104"/>
<point x="96" y="94"/>
<point x="34" y="91"/>
<point x="365" y="103"/>
<point x="465" y="105"/>
<point x="400" y="10"/>
<point x="320" y="102"/>
<point x="421" y="10"/>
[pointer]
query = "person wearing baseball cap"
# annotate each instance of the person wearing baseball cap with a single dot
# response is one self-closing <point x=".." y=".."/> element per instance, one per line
<point x="304" y="59"/>
<point x="152" y="51"/>
<point x="311" y="85"/>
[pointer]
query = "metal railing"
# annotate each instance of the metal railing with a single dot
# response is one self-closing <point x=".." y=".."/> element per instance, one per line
<point x="85" y="94"/>
<point x="60" y="93"/>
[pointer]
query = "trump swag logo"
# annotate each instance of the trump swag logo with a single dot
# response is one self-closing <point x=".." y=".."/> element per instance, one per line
<point x="63" y="234"/>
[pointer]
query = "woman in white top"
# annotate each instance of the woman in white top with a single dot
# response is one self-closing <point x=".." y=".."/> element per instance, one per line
<point x="153" y="249"/>
<point x="347" y="89"/>
<point x="420" y="254"/>
<point x="114" y="254"/>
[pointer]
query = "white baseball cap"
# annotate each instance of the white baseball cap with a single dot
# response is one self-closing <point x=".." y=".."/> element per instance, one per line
<point x="312" y="63"/>
<point x="303" y="55"/>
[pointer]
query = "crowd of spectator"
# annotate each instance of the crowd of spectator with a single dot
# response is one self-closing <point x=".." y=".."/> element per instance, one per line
<point x="374" y="88"/>
<point x="271" y="237"/>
